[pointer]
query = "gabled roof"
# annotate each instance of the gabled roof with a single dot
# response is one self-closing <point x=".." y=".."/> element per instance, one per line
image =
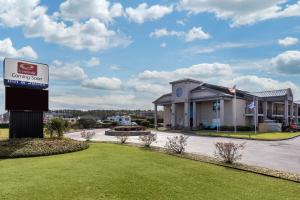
<point x="164" y="98"/>
<point x="272" y="93"/>
<point x="239" y="93"/>
<point x="186" y="80"/>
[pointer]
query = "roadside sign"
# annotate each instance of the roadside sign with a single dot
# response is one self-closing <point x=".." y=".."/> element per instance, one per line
<point x="25" y="74"/>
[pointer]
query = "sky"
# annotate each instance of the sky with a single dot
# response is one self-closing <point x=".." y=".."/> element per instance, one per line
<point x="123" y="54"/>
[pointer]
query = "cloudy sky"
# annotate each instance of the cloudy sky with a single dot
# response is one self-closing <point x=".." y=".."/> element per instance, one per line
<point x="122" y="54"/>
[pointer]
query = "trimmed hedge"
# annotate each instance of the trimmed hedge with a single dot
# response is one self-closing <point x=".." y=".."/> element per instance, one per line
<point x="231" y="128"/>
<point x="28" y="147"/>
<point x="4" y="125"/>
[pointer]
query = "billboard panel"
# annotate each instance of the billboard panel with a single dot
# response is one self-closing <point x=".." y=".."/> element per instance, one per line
<point x="19" y="99"/>
<point x="25" y="74"/>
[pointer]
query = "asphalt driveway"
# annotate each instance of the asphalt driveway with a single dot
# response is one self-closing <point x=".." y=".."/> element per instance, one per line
<point x="280" y="155"/>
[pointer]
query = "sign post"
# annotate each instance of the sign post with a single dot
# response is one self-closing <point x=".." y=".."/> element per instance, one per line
<point x="26" y="96"/>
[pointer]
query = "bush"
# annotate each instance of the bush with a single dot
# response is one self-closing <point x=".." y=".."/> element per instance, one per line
<point x="56" y="127"/>
<point x="145" y="123"/>
<point x="122" y="138"/>
<point x="88" y="135"/>
<point x="147" y="140"/>
<point x="238" y="128"/>
<point x="87" y="123"/>
<point x="138" y="121"/>
<point x="26" y="147"/>
<point x="229" y="152"/>
<point x="4" y="125"/>
<point x="176" y="144"/>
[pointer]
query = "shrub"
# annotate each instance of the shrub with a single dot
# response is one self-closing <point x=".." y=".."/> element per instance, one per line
<point x="176" y="144"/>
<point x="138" y="121"/>
<point x="88" y="135"/>
<point x="145" y="123"/>
<point x="122" y="138"/>
<point x="147" y="140"/>
<point x="87" y="123"/>
<point x="56" y="125"/>
<point x="4" y="125"/>
<point x="229" y="152"/>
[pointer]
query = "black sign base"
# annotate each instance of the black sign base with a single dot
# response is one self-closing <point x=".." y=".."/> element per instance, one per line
<point x="26" y="124"/>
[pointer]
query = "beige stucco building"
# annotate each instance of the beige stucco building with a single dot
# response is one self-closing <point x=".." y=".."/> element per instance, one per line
<point x="192" y="104"/>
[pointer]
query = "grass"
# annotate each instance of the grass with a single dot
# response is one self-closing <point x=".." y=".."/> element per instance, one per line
<point x="4" y="133"/>
<point x="252" y="135"/>
<point x="110" y="171"/>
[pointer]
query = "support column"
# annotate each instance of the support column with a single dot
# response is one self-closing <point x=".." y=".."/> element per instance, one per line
<point x="194" y="114"/>
<point x="187" y="115"/>
<point x="272" y="109"/>
<point x="286" y="112"/>
<point x="173" y="115"/>
<point x="265" y="110"/>
<point x="292" y="110"/>
<point x="296" y="113"/>
<point x="256" y="112"/>
<point x="222" y="112"/>
<point x="155" y="116"/>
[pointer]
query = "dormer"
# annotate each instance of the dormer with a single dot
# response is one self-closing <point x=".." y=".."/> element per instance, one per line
<point x="181" y="89"/>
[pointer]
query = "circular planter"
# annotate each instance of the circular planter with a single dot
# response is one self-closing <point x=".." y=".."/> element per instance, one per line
<point x="29" y="147"/>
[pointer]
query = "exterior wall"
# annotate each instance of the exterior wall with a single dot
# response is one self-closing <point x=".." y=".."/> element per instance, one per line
<point x="186" y="89"/>
<point x="180" y="114"/>
<point x="167" y="115"/>
<point x="240" y="113"/>
<point x="205" y="113"/>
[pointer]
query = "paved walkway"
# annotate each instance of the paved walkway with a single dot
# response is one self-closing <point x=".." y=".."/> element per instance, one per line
<point x="280" y="155"/>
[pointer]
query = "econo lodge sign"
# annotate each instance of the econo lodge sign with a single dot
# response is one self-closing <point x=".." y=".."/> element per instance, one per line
<point x="25" y="74"/>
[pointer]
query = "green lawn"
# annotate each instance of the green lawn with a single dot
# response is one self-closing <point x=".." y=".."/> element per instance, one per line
<point x="110" y="171"/>
<point x="268" y="136"/>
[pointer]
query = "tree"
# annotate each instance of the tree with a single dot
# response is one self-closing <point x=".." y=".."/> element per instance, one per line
<point x="86" y="123"/>
<point x="56" y="125"/>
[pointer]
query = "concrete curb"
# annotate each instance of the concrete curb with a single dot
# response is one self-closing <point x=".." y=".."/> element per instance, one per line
<point x="219" y="136"/>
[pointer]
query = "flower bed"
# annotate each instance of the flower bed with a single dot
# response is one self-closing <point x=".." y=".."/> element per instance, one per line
<point x="28" y="147"/>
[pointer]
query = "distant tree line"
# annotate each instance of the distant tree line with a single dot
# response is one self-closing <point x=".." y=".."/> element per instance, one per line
<point x="97" y="114"/>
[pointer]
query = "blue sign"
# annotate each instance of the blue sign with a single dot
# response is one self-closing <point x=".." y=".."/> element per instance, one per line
<point x="25" y="84"/>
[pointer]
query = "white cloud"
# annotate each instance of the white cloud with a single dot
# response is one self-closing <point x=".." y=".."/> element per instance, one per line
<point x="103" y="83"/>
<point x="195" y="50"/>
<point x="85" y="9"/>
<point x="8" y="50"/>
<point x="288" y="41"/>
<point x="93" y="62"/>
<point x="115" y="67"/>
<point x="242" y="12"/>
<point x="157" y="33"/>
<point x="163" y="45"/>
<point x="143" y="12"/>
<point x="66" y="71"/>
<point x="287" y="62"/>
<point x="180" y="22"/>
<point x="203" y="70"/>
<point x="92" y="34"/>
<point x="14" y="13"/>
<point x="256" y="84"/>
<point x="196" y="33"/>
